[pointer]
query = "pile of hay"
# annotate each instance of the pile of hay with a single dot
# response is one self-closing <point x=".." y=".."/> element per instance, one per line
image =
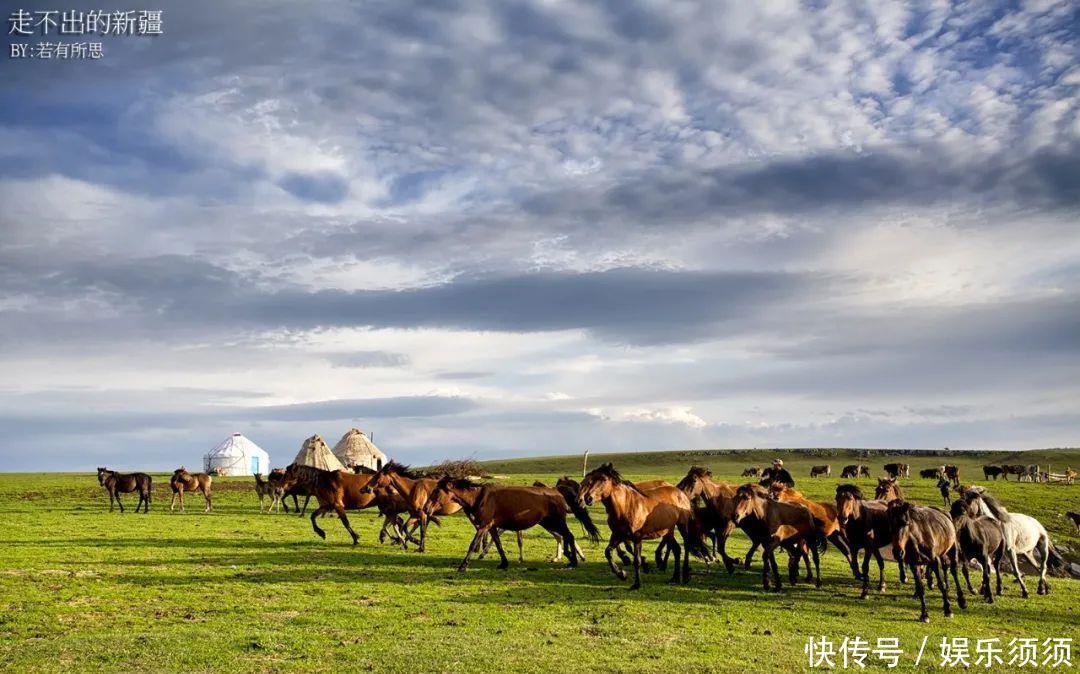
<point x="460" y="468"/>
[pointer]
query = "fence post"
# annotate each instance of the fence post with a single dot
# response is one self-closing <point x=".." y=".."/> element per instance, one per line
<point x="585" y="464"/>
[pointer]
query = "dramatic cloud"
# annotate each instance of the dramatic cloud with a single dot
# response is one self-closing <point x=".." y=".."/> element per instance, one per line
<point x="496" y="228"/>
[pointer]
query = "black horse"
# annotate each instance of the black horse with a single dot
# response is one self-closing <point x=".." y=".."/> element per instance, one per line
<point x="124" y="483"/>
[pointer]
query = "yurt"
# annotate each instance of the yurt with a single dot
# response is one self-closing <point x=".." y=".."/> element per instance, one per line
<point x="316" y="453"/>
<point x="355" y="448"/>
<point x="236" y="456"/>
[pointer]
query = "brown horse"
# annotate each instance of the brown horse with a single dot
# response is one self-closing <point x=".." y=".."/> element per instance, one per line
<point x="414" y="489"/>
<point x="788" y="525"/>
<point x="124" y="483"/>
<point x="263" y="488"/>
<point x="636" y="515"/>
<point x="926" y="537"/>
<point x="496" y="508"/>
<point x="824" y="518"/>
<point x="718" y="498"/>
<point x="337" y="491"/>
<point x="867" y="526"/>
<point x="182" y="481"/>
<point x="888" y="490"/>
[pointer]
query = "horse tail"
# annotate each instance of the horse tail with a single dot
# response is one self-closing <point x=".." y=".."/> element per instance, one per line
<point x="434" y="520"/>
<point x="582" y="516"/>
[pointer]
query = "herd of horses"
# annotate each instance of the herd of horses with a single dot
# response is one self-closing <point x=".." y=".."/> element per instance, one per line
<point x="694" y="517"/>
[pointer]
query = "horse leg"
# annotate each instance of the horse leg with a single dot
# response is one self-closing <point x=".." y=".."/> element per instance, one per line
<point x="521" y="547"/>
<point x="172" y="502"/>
<point x="880" y="568"/>
<point x="504" y="563"/>
<point x="612" y="546"/>
<point x="661" y="555"/>
<point x="939" y="574"/>
<point x="721" y="537"/>
<point x="637" y="566"/>
<point x="474" y="546"/>
<point x="837" y="539"/>
<point x="793" y="569"/>
<point x="314" y="525"/>
<point x="1016" y="572"/>
<point x="750" y="555"/>
<point x="953" y="557"/>
<point x="560" y="529"/>
<point x="817" y="565"/>
<point x="181" y="492"/>
<point x="964" y="564"/>
<point x="1044" y="546"/>
<point x="307" y="499"/>
<point x="209" y="501"/>
<point x="920" y="592"/>
<point x="766" y="553"/>
<point x="997" y="566"/>
<point x="340" y="509"/>
<point x="984" y="587"/>
<point x="558" y="548"/>
<point x="673" y="546"/>
<point x="485" y="546"/>
<point x="423" y="531"/>
<point x="119" y="503"/>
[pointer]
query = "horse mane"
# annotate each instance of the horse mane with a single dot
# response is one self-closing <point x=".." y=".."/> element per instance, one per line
<point x="460" y="482"/>
<point x="394" y="468"/>
<point x="609" y="471"/>
<point x="699" y="472"/>
<point x="308" y="475"/>
<point x="852" y="489"/>
<point x="993" y="504"/>
<point x="361" y="469"/>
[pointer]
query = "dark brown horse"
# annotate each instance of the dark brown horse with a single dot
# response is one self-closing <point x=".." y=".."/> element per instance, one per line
<point x="926" y="538"/>
<point x="635" y="516"/>
<point x="337" y="491"/>
<point x="414" y="489"/>
<point x="496" y="508"/>
<point x="183" y="481"/>
<point x="124" y="483"/>
<point x="867" y="527"/>
<point x="982" y="539"/>
<point x="788" y="525"/>
<point x="888" y="490"/>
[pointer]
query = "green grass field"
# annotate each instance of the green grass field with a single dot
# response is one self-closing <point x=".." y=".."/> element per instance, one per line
<point x="82" y="588"/>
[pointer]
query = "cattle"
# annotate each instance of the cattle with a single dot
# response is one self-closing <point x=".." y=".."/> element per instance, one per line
<point x="751" y="471"/>
<point x="932" y="473"/>
<point x="992" y="472"/>
<point x="825" y="470"/>
<point x="952" y="474"/>
<point x="896" y="470"/>
<point x="1016" y="469"/>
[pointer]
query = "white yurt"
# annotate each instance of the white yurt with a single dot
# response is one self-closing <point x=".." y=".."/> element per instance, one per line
<point x="355" y="448"/>
<point x="236" y="456"/>
<point x="316" y="453"/>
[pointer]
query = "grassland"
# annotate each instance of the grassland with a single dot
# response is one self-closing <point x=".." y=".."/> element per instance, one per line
<point x="82" y="588"/>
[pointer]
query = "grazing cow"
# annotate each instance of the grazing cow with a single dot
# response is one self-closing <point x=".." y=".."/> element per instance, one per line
<point x="952" y="474"/>
<point x="992" y="472"/>
<point x="825" y="470"/>
<point x="932" y="473"/>
<point x="895" y="470"/>
<point x="751" y="471"/>
<point x="1015" y="469"/>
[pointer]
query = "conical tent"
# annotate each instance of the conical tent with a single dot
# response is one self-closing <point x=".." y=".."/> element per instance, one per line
<point x="356" y="449"/>
<point x="316" y="453"/>
<point x="236" y="455"/>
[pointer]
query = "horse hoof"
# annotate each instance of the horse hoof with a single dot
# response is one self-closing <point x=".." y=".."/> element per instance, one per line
<point x="962" y="603"/>
<point x="635" y="586"/>
<point x="948" y="614"/>
<point x="864" y="595"/>
<point x="621" y="575"/>
<point x="924" y="619"/>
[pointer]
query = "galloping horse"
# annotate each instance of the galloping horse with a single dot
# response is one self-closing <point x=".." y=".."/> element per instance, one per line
<point x="124" y="483"/>
<point x="337" y="491"/>
<point x="414" y="490"/>
<point x="635" y="515"/>
<point x="866" y="525"/>
<point x="926" y="537"/>
<point x="824" y="518"/>
<point x="719" y="499"/>
<point x="1022" y="535"/>
<point x="182" y="481"/>
<point x="789" y="525"/>
<point x="981" y="539"/>
<point x="495" y="508"/>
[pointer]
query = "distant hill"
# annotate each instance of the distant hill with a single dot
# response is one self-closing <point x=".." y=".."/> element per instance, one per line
<point x="677" y="461"/>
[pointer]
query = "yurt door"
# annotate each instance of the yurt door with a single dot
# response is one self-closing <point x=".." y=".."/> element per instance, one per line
<point x="255" y="464"/>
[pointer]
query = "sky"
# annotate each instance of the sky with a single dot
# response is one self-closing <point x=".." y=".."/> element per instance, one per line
<point x="494" y="229"/>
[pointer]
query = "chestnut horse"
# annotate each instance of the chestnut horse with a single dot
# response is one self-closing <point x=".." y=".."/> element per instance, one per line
<point x="888" y="490"/>
<point x="124" y="483"/>
<point x="788" y="525"/>
<point x="495" y="508"/>
<point x="636" y="515"/>
<point x="414" y="489"/>
<point x="718" y="498"/>
<point x="182" y="481"/>
<point x="824" y="517"/>
<point x="926" y="537"/>
<point x="337" y="491"/>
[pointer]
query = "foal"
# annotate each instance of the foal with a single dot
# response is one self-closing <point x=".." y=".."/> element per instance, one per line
<point x="182" y="481"/>
<point x="635" y="516"/>
<point x="124" y="483"/>
<point x="788" y="525"/>
<point x="926" y="537"/>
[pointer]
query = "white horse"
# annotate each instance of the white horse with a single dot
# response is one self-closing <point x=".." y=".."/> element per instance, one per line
<point x="1022" y="535"/>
